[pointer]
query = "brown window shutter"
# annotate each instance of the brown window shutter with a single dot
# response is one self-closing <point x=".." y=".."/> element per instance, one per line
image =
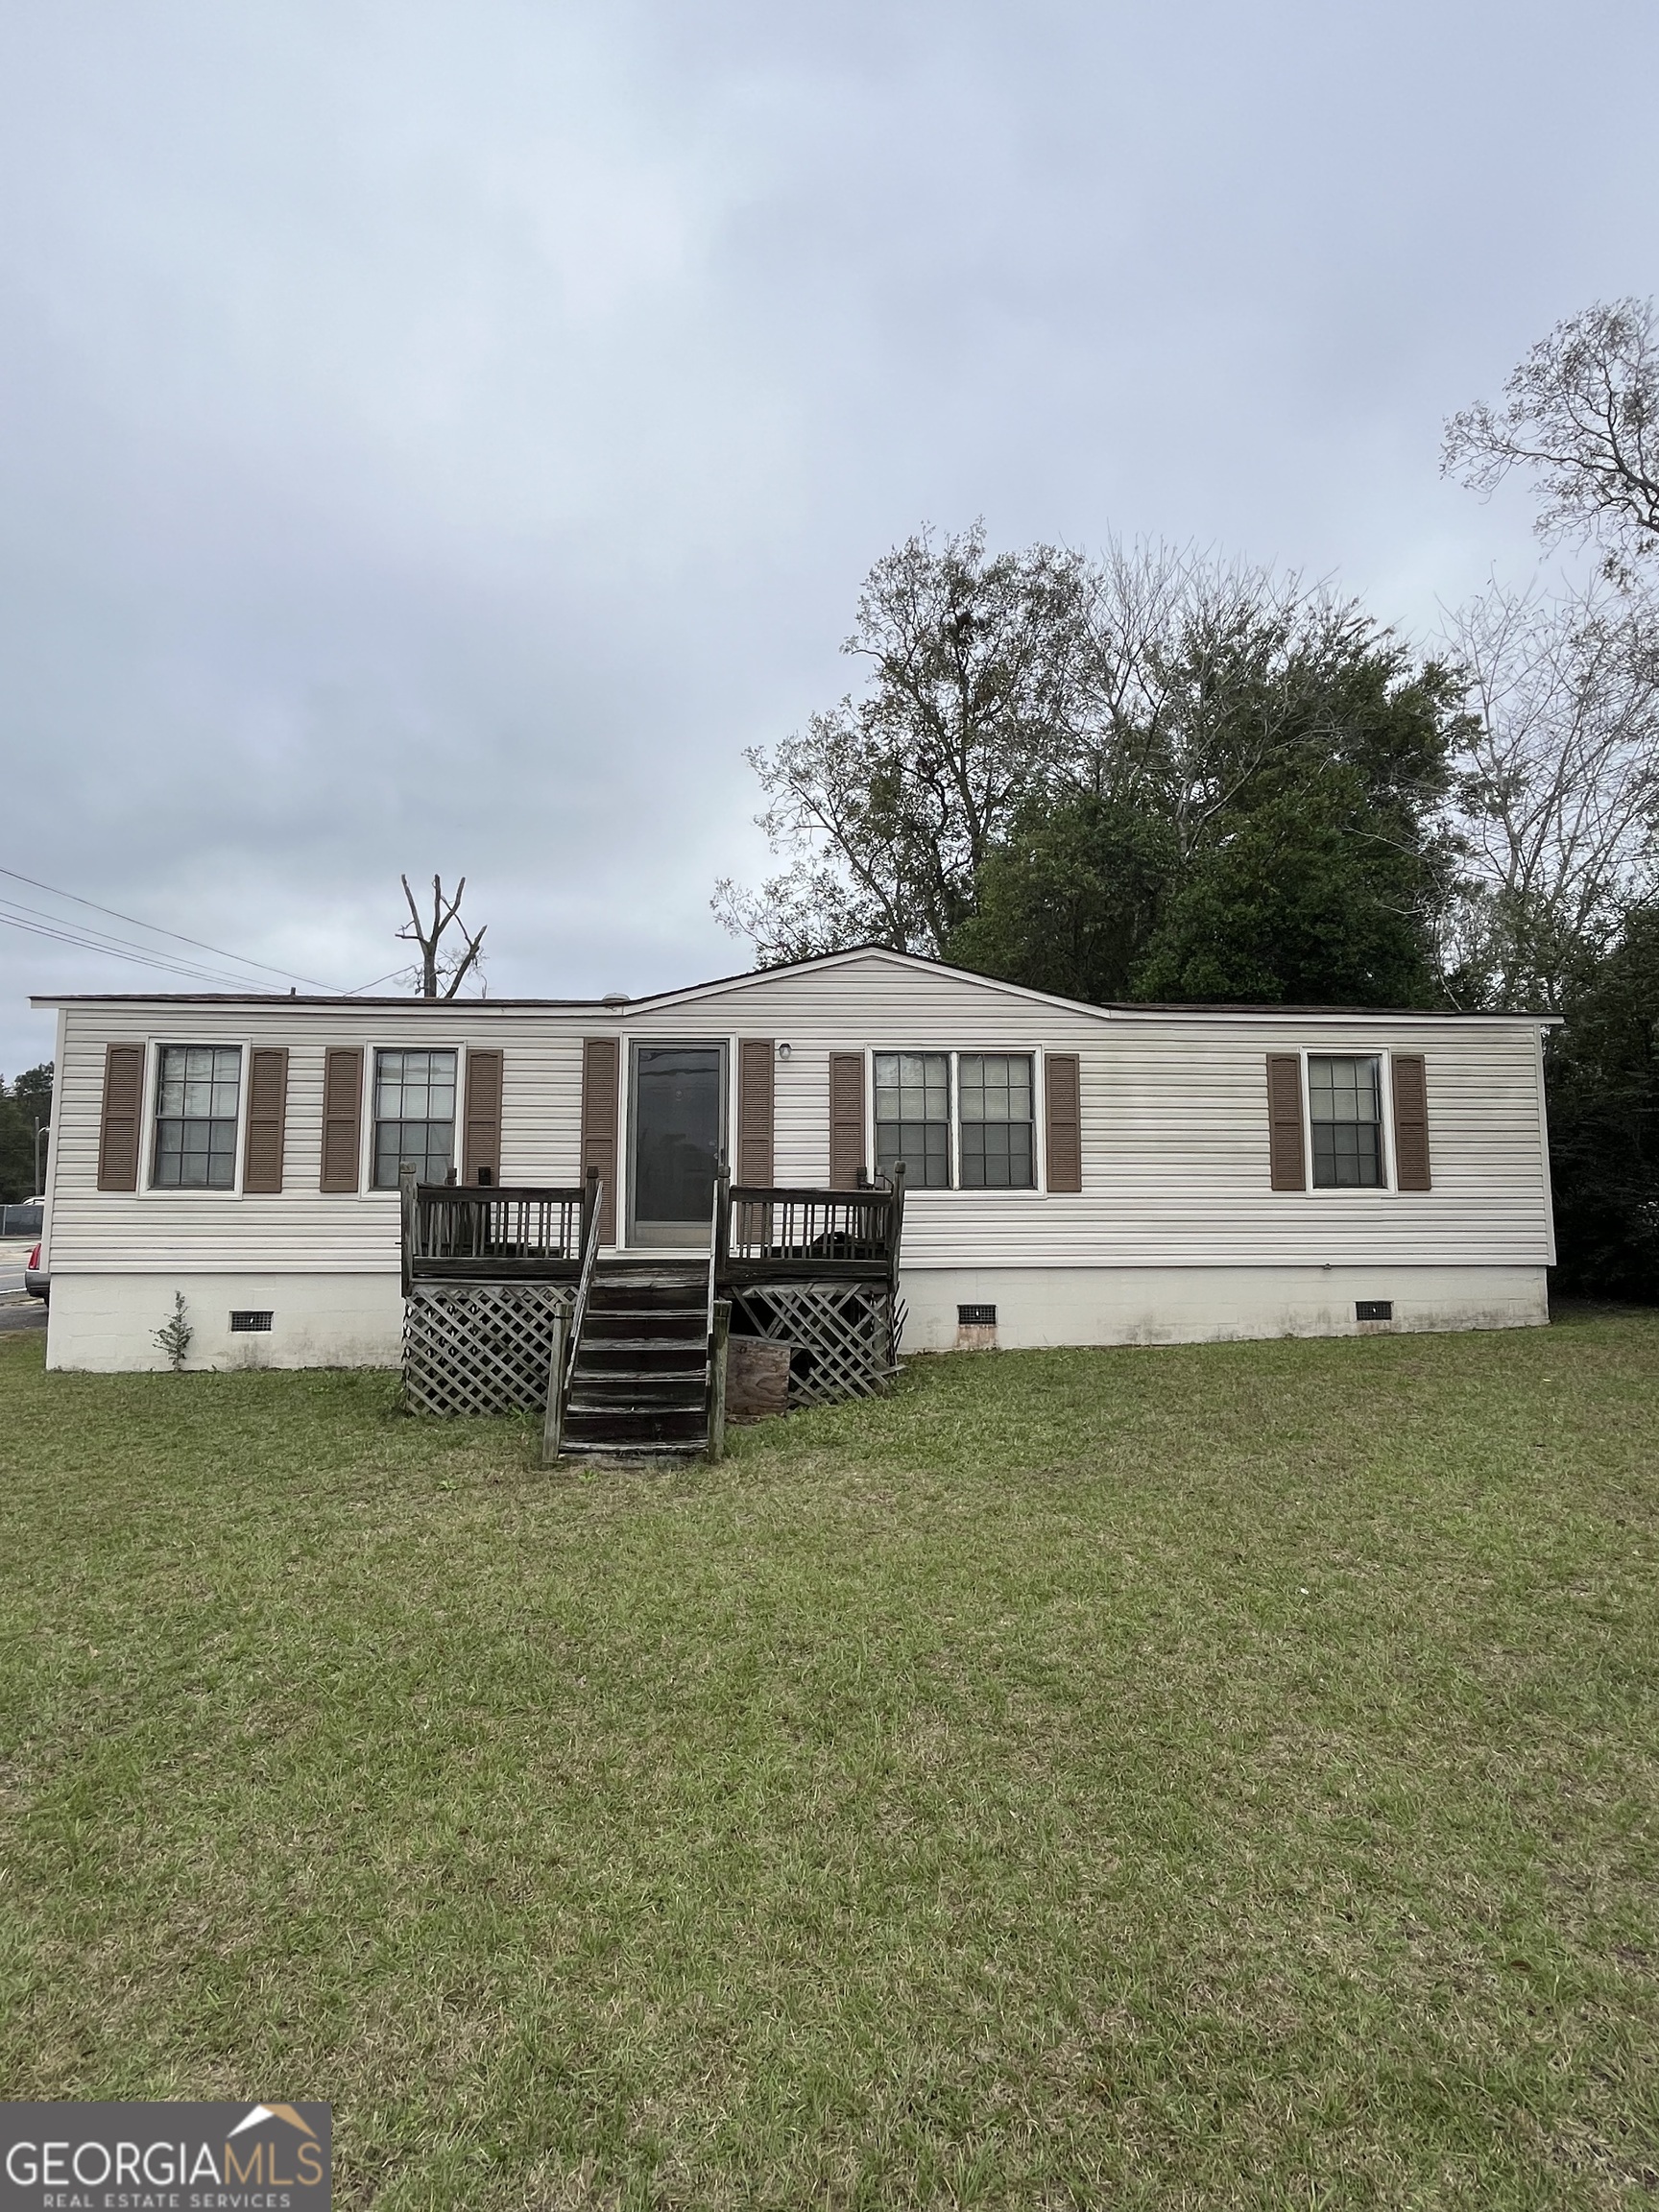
<point x="481" y="1142"/>
<point x="267" y="1119"/>
<point x="341" y="1116"/>
<point x="601" y="1098"/>
<point x="1284" y="1145"/>
<point x="1063" y="1082"/>
<point x="755" y="1061"/>
<point x="1410" y="1121"/>
<point x="846" y="1119"/>
<point x="123" y="1113"/>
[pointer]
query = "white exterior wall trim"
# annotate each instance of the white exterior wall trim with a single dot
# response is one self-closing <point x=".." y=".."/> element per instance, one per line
<point x="1373" y="1194"/>
<point x="384" y="1041"/>
<point x="150" y="1113"/>
<point x="1547" y="1187"/>
<point x="1012" y="1048"/>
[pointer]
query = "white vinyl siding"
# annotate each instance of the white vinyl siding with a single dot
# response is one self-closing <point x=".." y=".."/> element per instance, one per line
<point x="1174" y="1126"/>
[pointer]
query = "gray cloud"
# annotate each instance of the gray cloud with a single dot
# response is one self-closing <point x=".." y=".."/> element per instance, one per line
<point x="442" y="436"/>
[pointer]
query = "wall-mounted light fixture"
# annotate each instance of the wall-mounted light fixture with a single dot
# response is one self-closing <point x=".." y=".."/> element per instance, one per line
<point x="783" y="1052"/>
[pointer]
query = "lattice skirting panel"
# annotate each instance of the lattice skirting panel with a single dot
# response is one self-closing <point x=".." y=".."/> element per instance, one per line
<point x="479" y="1347"/>
<point x="844" y="1336"/>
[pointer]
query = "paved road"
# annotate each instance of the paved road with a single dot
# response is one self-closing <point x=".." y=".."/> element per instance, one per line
<point x="14" y="1251"/>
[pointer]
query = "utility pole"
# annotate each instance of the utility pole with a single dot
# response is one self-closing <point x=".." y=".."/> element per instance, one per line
<point x="41" y="1129"/>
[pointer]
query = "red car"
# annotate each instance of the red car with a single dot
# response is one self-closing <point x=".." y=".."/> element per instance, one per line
<point x="36" y="1280"/>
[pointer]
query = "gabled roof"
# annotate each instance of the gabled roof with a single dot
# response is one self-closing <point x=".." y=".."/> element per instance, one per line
<point x="620" y="1010"/>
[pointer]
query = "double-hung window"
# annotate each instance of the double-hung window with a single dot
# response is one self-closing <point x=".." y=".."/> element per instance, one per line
<point x="996" y="1150"/>
<point x="963" y="1118"/>
<point x="198" y="1093"/>
<point x="1345" y="1116"/>
<point x="913" y="1117"/>
<point x="414" y="1116"/>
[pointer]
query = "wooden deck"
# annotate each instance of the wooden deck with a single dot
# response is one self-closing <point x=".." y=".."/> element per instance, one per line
<point x="500" y="1285"/>
<point x="533" y="1233"/>
<point x="507" y="1233"/>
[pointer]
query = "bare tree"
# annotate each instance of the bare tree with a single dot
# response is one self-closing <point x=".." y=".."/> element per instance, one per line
<point x="1581" y="413"/>
<point x="883" y="807"/>
<point x="1557" y="784"/>
<point x="442" y="972"/>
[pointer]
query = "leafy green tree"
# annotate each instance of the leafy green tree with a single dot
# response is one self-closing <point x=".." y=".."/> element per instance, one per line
<point x="1149" y="773"/>
<point x="27" y="1099"/>
<point x="1279" y="840"/>
<point x="1302" y="905"/>
<point x="1317" y="880"/>
<point x="1603" y="1070"/>
<point x="1069" y="902"/>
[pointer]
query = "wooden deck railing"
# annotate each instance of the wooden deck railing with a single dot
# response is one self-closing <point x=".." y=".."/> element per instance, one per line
<point x="567" y="1330"/>
<point x="782" y="1236"/>
<point x="467" y="1232"/>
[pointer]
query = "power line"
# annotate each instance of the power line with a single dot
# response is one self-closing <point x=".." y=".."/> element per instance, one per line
<point x="390" y="975"/>
<point x="111" y="952"/>
<point x="155" y="931"/>
<point x="69" y="935"/>
<point x="102" y="941"/>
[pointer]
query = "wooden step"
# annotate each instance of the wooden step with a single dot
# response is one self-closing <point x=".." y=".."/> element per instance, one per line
<point x="671" y="1270"/>
<point x="646" y="1298"/>
<point x="610" y="1417"/>
<point x="596" y="1412"/>
<point x="628" y="1453"/>
<point x="640" y="1382"/>
<point x="689" y="1314"/>
<point x="606" y="1381"/>
<point x="683" y="1281"/>
<point x="607" y="1425"/>
<point x="643" y="1374"/>
<point x="609" y="1349"/>
<point x="651" y="1351"/>
<point x="606" y="1321"/>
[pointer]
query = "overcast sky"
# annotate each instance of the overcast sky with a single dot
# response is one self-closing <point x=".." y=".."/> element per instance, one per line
<point x="445" y="435"/>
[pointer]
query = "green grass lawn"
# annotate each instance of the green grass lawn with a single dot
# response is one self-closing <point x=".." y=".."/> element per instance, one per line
<point x="1211" y="1776"/>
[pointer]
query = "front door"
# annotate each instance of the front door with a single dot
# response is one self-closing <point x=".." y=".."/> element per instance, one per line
<point x="677" y="1126"/>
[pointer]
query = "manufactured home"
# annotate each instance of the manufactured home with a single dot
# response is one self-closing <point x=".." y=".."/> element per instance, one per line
<point x="1074" y="1174"/>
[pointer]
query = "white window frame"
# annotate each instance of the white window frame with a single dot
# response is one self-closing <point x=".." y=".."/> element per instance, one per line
<point x="1388" y="1188"/>
<point x="1037" y="1187"/>
<point x="153" y="1045"/>
<point x="367" y="1187"/>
